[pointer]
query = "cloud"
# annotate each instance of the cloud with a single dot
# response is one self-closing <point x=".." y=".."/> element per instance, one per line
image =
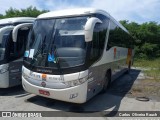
<point x="63" y="4"/>
<point x="18" y="4"/>
<point x="133" y="10"/>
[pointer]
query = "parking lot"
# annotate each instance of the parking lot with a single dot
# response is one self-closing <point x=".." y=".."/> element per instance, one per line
<point x="118" y="98"/>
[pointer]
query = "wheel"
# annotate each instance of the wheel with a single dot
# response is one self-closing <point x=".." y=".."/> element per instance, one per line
<point x="106" y="82"/>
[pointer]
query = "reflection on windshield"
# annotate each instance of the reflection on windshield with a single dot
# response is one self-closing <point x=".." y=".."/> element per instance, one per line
<point x="2" y="44"/>
<point x="37" y="41"/>
<point x="64" y="43"/>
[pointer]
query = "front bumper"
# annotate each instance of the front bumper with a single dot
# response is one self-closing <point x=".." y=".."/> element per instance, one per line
<point x="4" y="80"/>
<point x="77" y="94"/>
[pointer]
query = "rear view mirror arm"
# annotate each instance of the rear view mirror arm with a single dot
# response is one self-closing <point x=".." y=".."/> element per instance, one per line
<point x="15" y="30"/>
<point x="89" y="27"/>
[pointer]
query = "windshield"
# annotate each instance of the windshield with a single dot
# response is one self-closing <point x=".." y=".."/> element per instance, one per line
<point x="57" y="41"/>
<point x="2" y="44"/>
<point x="4" y="25"/>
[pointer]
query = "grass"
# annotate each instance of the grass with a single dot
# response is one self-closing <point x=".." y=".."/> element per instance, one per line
<point x="147" y="87"/>
<point x="153" y="73"/>
<point x="147" y="63"/>
<point x="151" y="68"/>
<point x="150" y="86"/>
<point x="145" y="90"/>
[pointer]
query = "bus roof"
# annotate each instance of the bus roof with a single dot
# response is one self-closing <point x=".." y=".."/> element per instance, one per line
<point x="78" y="12"/>
<point x="16" y="20"/>
<point x="71" y="12"/>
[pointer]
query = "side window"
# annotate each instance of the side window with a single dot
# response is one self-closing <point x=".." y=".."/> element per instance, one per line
<point x="113" y="35"/>
<point x="102" y="28"/>
<point x="16" y="49"/>
<point x="118" y="37"/>
<point x="6" y="42"/>
<point x="99" y="37"/>
<point x="95" y="45"/>
<point x="21" y="42"/>
<point x="9" y="44"/>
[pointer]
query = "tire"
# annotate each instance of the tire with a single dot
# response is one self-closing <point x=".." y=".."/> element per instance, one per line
<point x="106" y="83"/>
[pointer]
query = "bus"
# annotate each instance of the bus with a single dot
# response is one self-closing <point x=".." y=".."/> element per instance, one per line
<point x="13" y="39"/>
<point x="74" y="54"/>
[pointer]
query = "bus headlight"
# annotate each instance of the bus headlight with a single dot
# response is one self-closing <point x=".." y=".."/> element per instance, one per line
<point x="82" y="80"/>
<point x="76" y="82"/>
<point x="3" y="70"/>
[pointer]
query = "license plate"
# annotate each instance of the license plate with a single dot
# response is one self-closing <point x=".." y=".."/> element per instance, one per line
<point x="43" y="92"/>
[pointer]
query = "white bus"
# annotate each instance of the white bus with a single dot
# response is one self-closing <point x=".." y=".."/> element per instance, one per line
<point x="74" y="54"/>
<point x="13" y="39"/>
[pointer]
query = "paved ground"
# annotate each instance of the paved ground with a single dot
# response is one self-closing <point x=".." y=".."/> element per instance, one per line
<point x="118" y="98"/>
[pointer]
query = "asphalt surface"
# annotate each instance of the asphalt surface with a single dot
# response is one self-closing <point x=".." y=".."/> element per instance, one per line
<point x="101" y="106"/>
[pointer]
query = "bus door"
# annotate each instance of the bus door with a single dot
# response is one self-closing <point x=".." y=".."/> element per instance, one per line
<point x="19" y="39"/>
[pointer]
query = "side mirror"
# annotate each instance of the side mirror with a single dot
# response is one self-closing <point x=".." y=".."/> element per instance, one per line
<point x="89" y="27"/>
<point x="23" y="26"/>
<point x="3" y="30"/>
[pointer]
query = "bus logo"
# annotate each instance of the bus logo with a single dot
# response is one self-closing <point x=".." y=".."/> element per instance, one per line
<point x="43" y="84"/>
<point x="51" y="58"/>
<point x="44" y="77"/>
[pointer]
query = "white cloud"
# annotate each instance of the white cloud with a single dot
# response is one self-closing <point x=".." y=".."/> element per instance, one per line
<point x="63" y="4"/>
<point x="18" y="4"/>
<point x="58" y="4"/>
<point x="133" y="10"/>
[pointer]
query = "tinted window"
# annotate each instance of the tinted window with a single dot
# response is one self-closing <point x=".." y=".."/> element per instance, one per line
<point x="3" y="45"/>
<point x="15" y="50"/>
<point x="99" y="37"/>
<point x="9" y="45"/>
<point x="21" y="42"/>
<point x="59" y="41"/>
<point x="118" y="37"/>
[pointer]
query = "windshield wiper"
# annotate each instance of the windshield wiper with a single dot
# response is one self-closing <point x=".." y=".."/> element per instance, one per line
<point x="40" y="51"/>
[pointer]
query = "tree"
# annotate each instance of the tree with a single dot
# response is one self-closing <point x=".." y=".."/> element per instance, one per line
<point x="147" y="38"/>
<point x="28" y="12"/>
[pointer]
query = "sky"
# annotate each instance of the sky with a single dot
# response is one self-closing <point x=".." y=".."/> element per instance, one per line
<point x="133" y="10"/>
